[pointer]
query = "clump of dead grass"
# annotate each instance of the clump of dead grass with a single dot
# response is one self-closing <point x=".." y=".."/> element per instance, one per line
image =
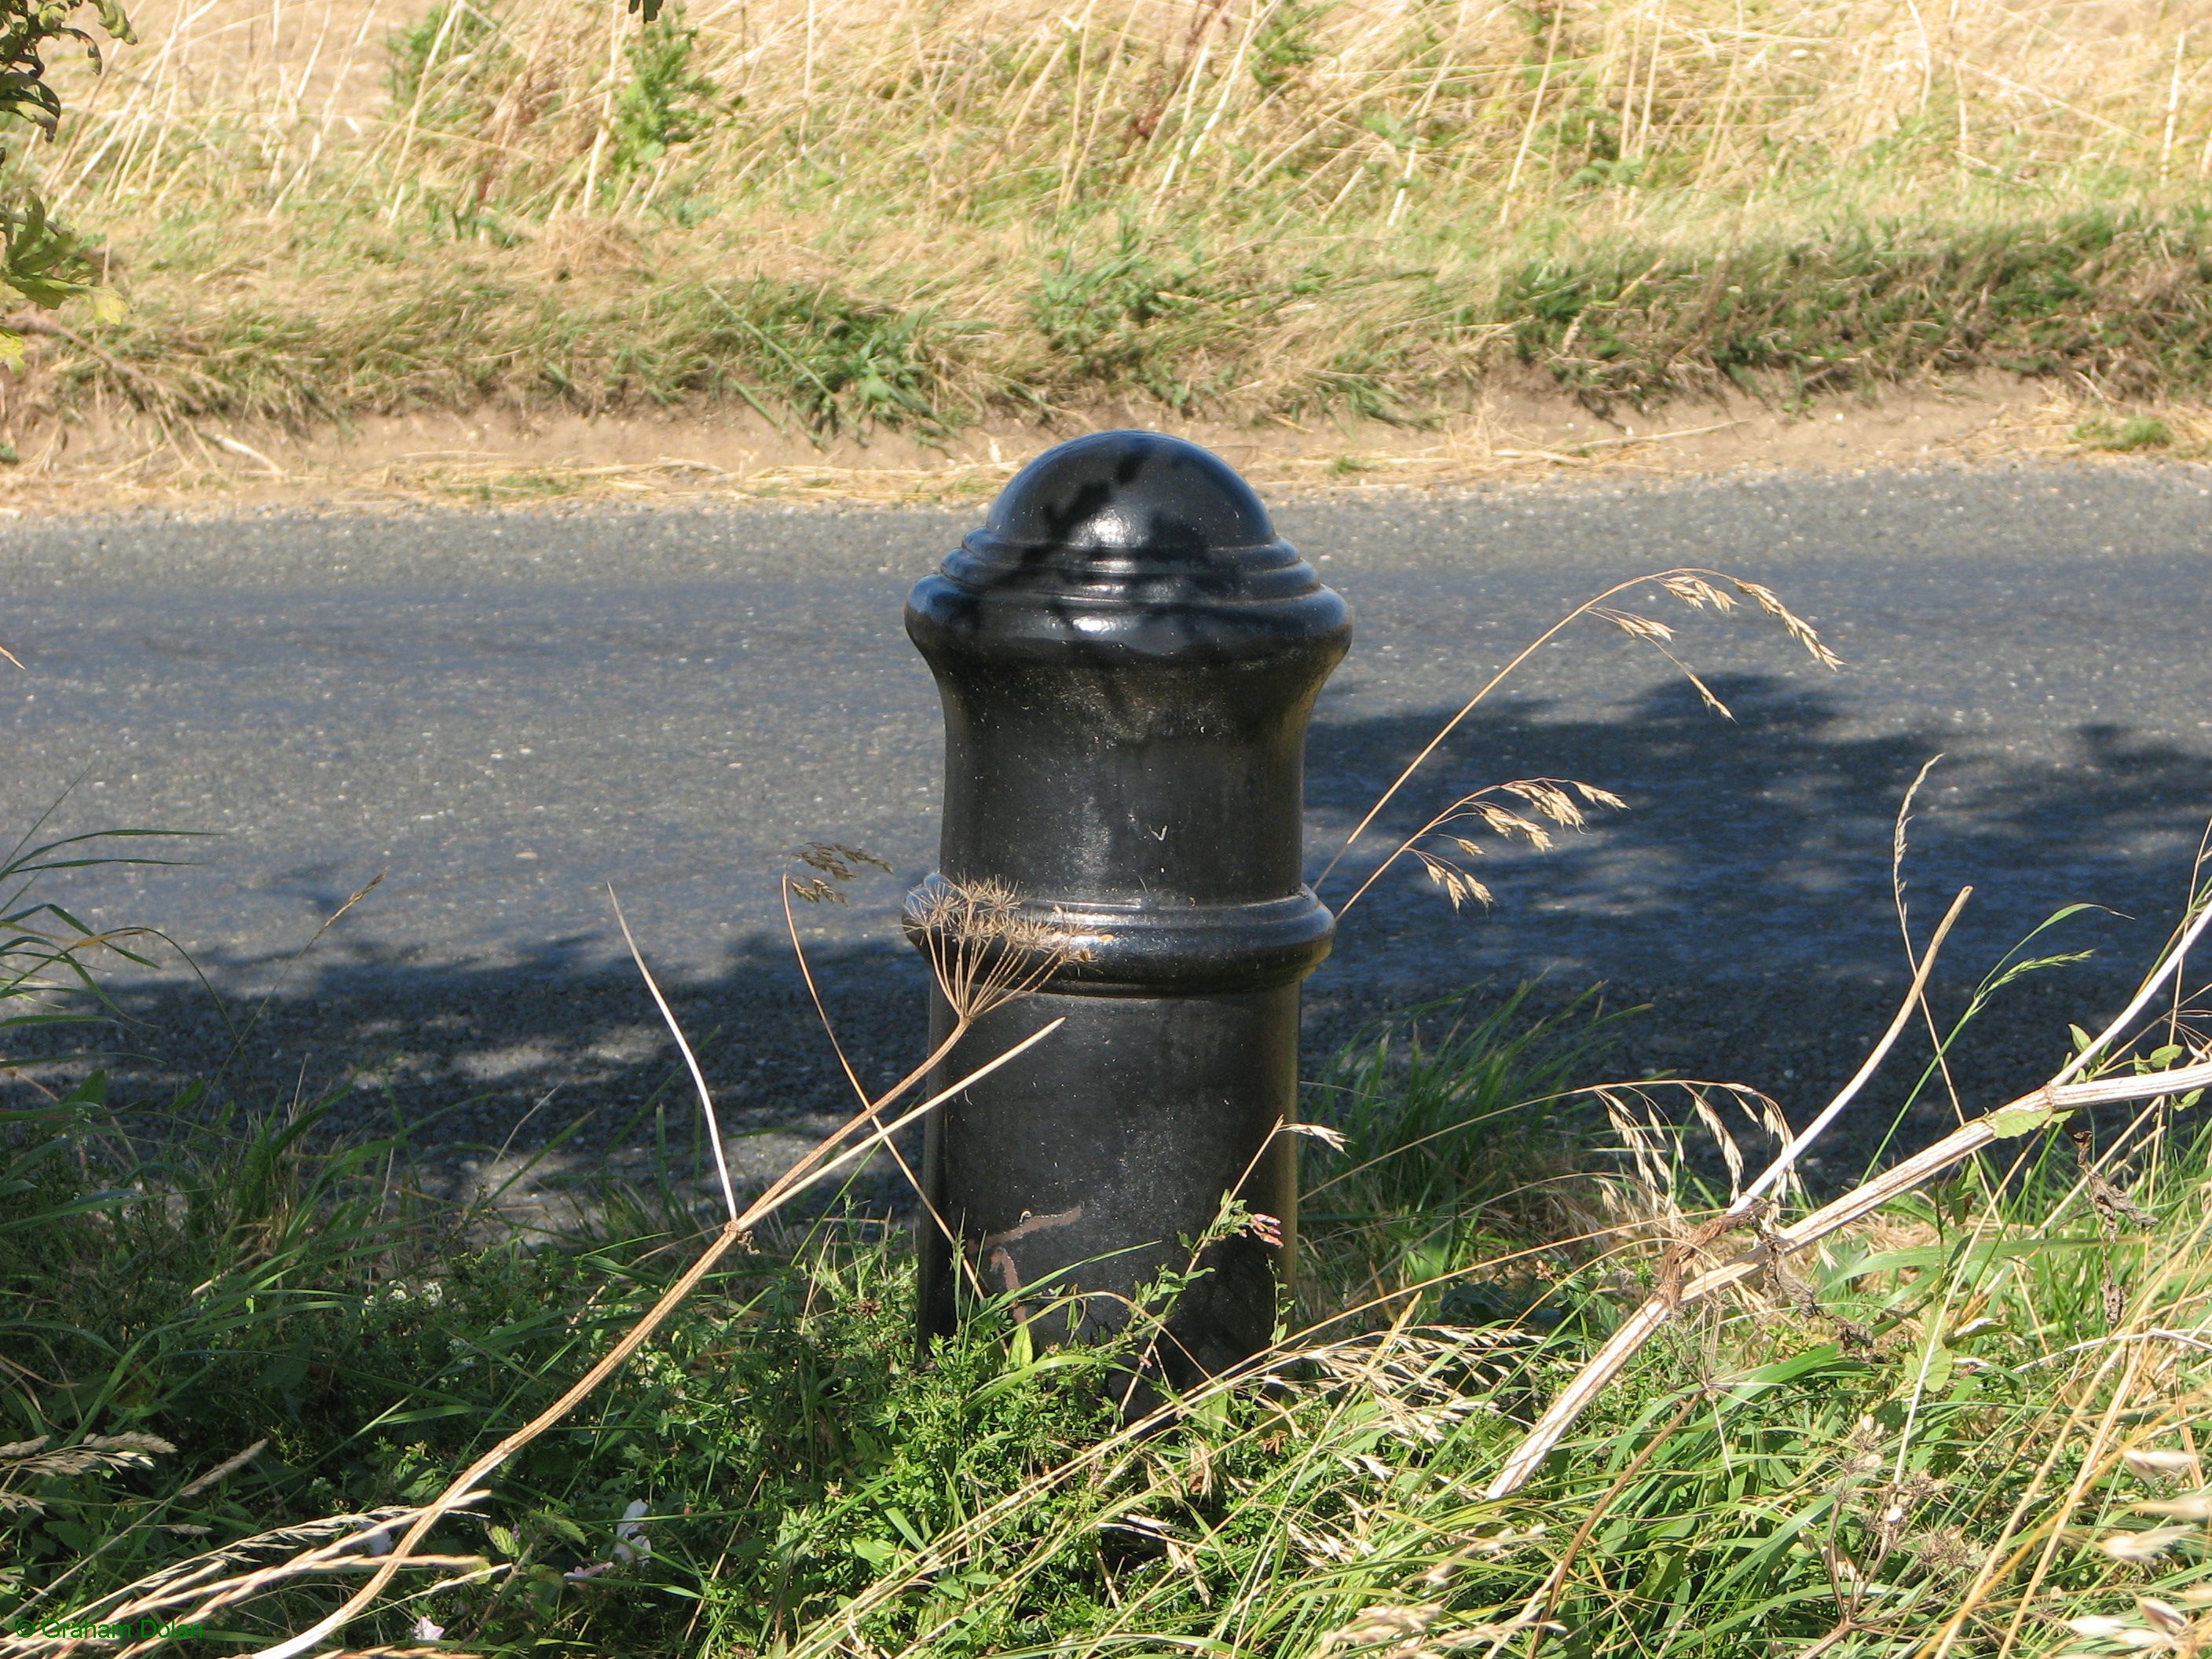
<point x="973" y="112"/>
<point x="921" y="213"/>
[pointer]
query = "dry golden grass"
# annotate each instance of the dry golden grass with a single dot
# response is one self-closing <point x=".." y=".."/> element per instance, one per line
<point x="926" y="214"/>
<point x="930" y="111"/>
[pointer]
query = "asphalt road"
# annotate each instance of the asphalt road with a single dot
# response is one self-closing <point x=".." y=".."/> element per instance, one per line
<point x="503" y="715"/>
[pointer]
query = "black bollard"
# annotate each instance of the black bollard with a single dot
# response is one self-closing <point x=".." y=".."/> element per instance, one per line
<point x="1128" y="658"/>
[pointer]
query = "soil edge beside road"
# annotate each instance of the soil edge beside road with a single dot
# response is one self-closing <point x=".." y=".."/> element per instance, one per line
<point x="503" y="457"/>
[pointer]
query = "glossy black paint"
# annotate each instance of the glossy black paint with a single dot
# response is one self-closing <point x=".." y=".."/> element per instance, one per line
<point x="1128" y="658"/>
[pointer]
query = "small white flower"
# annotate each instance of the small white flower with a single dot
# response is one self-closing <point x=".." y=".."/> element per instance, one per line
<point x="631" y="1542"/>
<point x="425" y="1630"/>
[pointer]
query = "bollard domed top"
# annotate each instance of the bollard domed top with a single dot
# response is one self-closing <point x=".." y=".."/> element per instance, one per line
<point x="1128" y="540"/>
<point x="1132" y="492"/>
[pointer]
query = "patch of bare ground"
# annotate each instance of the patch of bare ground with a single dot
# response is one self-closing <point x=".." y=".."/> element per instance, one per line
<point x="500" y="458"/>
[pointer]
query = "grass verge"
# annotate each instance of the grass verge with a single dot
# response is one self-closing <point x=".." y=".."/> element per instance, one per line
<point x="1979" y="1410"/>
<point x="2113" y="300"/>
<point x="918" y="216"/>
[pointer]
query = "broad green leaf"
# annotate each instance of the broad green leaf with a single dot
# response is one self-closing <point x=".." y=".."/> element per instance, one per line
<point x="2022" y="1117"/>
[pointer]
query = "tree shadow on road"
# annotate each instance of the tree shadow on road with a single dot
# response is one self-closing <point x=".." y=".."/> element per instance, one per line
<point x="1746" y="893"/>
<point x="1745" y="896"/>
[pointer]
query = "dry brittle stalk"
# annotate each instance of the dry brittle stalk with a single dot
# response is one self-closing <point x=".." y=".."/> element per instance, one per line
<point x="733" y="1233"/>
<point x="984" y="950"/>
<point x="1699" y="589"/>
<point x="189" y="1593"/>
<point x="224" y="1578"/>
<point x="835" y="864"/>
<point x="2057" y="1100"/>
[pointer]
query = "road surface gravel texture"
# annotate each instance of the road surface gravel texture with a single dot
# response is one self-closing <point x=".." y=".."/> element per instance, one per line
<point x="504" y="715"/>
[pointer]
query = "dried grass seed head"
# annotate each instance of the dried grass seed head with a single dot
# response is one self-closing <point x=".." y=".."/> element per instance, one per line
<point x="985" y="948"/>
<point x="30" y="1459"/>
<point x="1697" y="593"/>
<point x="1654" y="1143"/>
<point x="1636" y="624"/>
<point x="2146" y="1545"/>
<point x="2157" y="1463"/>
<point x="1797" y="627"/>
<point x="1409" y="1631"/>
<point x="1459" y="886"/>
<point x="834" y="864"/>
<point x="2192" y="1506"/>
<point x="1701" y="590"/>
<point x="1551" y="798"/>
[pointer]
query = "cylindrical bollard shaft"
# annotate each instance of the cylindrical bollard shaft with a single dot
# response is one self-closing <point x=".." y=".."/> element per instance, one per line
<point x="1127" y="656"/>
